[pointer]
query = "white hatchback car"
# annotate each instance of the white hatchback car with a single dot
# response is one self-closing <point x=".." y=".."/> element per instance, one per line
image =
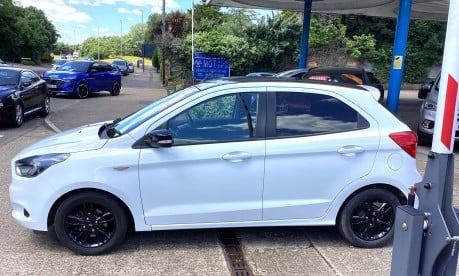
<point x="235" y="153"/>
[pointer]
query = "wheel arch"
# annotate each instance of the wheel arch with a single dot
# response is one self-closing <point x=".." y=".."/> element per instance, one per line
<point x="58" y="202"/>
<point x="394" y="190"/>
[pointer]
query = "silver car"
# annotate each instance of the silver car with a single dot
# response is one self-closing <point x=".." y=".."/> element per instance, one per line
<point x="428" y="92"/>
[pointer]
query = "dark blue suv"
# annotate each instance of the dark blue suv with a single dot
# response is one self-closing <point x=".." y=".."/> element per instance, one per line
<point x="81" y="77"/>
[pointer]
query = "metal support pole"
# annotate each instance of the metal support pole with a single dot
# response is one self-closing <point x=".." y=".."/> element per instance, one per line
<point x="305" y="34"/>
<point x="440" y="233"/>
<point x="398" y="55"/>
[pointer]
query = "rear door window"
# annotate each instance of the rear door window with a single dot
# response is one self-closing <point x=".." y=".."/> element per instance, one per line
<point x="305" y="114"/>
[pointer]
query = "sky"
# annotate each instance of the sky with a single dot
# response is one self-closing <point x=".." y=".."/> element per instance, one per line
<point x="76" y="20"/>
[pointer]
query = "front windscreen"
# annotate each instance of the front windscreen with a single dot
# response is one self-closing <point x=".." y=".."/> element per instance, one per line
<point x="75" y="66"/>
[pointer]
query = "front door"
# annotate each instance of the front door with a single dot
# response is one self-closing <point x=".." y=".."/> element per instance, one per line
<point x="214" y="171"/>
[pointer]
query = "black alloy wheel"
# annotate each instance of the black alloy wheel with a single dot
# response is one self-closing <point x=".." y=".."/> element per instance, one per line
<point x="368" y="218"/>
<point x="116" y="89"/>
<point x="90" y="223"/>
<point x="82" y="91"/>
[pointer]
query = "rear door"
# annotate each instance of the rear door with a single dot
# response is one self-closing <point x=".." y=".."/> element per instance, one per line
<point x="317" y="143"/>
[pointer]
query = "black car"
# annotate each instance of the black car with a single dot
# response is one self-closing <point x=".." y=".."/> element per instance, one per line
<point x="22" y="93"/>
<point x="297" y="74"/>
<point x="346" y="75"/>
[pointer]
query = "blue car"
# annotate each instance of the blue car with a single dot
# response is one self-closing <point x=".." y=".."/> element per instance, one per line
<point x="81" y="77"/>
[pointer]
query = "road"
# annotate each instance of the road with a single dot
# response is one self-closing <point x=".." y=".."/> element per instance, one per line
<point x="268" y="251"/>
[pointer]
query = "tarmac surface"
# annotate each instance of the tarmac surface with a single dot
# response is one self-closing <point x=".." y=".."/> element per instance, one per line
<point x="268" y="251"/>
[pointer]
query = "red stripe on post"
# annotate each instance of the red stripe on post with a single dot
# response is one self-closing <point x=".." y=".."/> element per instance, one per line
<point x="450" y="112"/>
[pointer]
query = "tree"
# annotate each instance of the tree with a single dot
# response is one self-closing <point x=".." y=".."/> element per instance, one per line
<point x="25" y="32"/>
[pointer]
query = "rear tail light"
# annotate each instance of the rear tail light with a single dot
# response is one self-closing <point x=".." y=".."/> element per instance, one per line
<point x="407" y="140"/>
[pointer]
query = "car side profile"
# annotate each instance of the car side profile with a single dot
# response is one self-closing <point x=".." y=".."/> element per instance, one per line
<point x="82" y="77"/>
<point x="22" y="93"/>
<point x="242" y="152"/>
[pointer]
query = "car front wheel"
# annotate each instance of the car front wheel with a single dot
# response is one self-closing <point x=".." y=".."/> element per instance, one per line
<point x="18" y="115"/>
<point x="90" y="223"/>
<point x="367" y="219"/>
<point x="116" y="89"/>
<point x="82" y="91"/>
<point x="46" y="106"/>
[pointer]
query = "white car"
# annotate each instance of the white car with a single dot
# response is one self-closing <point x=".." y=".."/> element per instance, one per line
<point x="233" y="153"/>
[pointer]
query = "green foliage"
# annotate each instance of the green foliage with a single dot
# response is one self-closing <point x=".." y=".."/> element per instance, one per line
<point x="326" y="31"/>
<point x="25" y="32"/>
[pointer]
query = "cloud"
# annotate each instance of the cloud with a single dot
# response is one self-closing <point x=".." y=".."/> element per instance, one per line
<point x="58" y="11"/>
<point x="123" y="10"/>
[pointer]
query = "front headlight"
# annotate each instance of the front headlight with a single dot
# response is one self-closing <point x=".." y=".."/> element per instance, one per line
<point x="34" y="165"/>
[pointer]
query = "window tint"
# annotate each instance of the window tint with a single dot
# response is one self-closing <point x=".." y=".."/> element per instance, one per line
<point x="225" y="118"/>
<point x="28" y="77"/>
<point x="299" y="114"/>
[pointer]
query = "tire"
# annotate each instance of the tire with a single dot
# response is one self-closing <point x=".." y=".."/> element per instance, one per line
<point x="424" y="139"/>
<point x="82" y="91"/>
<point x="46" y="106"/>
<point x="17" y="118"/>
<point x="116" y="89"/>
<point x="90" y="223"/>
<point x="367" y="219"/>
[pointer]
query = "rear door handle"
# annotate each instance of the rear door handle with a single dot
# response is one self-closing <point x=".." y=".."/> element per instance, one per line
<point x="236" y="156"/>
<point x="350" y="150"/>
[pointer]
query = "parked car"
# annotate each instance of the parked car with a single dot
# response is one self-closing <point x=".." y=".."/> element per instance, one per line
<point x="349" y="75"/>
<point x="293" y="73"/>
<point x="236" y="153"/>
<point x="122" y="66"/>
<point x="82" y="77"/>
<point x="57" y="63"/>
<point x="428" y="92"/>
<point x="130" y="67"/>
<point x="22" y="93"/>
<point x="261" y="74"/>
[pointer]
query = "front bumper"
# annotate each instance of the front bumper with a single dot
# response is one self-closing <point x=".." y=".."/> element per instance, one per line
<point x="61" y="86"/>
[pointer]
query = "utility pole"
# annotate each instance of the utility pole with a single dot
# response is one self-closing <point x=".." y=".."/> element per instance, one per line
<point x="163" y="30"/>
<point x="121" y="39"/>
<point x="143" y="46"/>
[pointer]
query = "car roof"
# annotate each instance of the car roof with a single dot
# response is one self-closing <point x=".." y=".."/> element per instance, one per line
<point x="336" y="69"/>
<point x="13" y="68"/>
<point x="270" y="80"/>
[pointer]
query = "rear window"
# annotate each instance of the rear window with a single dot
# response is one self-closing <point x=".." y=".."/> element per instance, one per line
<point x="305" y="114"/>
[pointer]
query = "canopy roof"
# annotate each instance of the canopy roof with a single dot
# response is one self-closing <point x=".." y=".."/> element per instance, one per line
<point x="421" y="9"/>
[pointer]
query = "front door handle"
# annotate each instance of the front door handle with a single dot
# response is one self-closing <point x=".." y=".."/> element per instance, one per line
<point x="350" y="150"/>
<point x="236" y="156"/>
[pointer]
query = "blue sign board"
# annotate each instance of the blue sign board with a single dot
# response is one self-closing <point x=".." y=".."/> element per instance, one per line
<point x="208" y="67"/>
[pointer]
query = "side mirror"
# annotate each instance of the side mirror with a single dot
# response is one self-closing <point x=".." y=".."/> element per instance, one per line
<point x="161" y="138"/>
<point x="424" y="89"/>
<point x="25" y="84"/>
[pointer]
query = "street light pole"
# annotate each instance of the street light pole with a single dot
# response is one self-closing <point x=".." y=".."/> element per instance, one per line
<point x="143" y="46"/>
<point x="121" y="39"/>
<point x="163" y="30"/>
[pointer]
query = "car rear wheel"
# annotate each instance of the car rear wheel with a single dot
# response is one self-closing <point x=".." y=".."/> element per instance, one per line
<point x="82" y="91"/>
<point x="90" y="223"/>
<point x="18" y="115"/>
<point x="116" y="89"/>
<point x="367" y="219"/>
